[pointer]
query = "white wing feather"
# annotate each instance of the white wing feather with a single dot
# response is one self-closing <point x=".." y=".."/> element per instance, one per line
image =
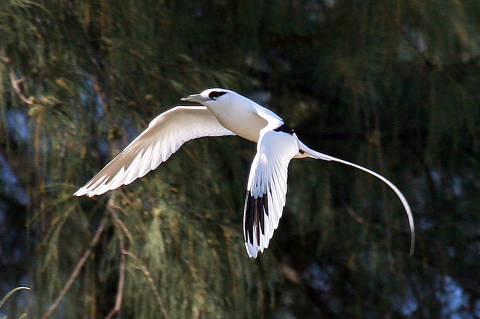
<point x="267" y="188"/>
<point x="163" y="137"/>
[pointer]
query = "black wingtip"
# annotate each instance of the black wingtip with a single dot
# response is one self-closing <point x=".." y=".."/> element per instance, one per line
<point x="255" y="211"/>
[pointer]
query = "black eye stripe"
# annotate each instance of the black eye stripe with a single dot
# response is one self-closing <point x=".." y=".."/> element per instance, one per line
<point x="215" y="94"/>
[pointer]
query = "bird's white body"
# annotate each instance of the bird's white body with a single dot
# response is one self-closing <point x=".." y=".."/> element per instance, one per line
<point x="224" y="113"/>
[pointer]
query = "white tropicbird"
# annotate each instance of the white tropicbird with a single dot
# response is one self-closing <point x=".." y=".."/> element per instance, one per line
<point x="225" y="112"/>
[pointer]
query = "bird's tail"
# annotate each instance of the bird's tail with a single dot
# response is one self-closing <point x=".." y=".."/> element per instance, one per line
<point x="307" y="152"/>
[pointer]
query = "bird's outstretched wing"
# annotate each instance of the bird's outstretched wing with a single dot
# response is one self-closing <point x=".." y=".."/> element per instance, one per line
<point x="267" y="188"/>
<point x="163" y="137"/>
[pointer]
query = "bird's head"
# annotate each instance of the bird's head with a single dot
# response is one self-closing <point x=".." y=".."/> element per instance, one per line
<point x="210" y="96"/>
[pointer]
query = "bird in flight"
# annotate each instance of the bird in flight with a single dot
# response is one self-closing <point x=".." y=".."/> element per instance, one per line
<point x="225" y="112"/>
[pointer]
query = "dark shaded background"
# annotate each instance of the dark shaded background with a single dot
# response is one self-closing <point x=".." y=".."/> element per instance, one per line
<point x="390" y="85"/>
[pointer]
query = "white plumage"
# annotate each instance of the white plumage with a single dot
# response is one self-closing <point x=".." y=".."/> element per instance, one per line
<point x="225" y="113"/>
<point x="163" y="137"/>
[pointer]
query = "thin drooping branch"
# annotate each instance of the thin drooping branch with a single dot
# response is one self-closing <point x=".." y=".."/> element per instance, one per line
<point x="121" y="280"/>
<point x="422" y="53"/>
<point x="152" y="283"/>
<point x="11" y="292"/>
<point x="111" y="210"/>
<point x="16" y="88"/>
<point x="77" y="269"/>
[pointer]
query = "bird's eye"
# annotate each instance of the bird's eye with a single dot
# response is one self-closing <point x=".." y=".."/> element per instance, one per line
<point x="215" y="94"/>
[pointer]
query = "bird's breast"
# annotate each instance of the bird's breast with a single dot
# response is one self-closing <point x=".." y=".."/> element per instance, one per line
<point x="244" y="124"/>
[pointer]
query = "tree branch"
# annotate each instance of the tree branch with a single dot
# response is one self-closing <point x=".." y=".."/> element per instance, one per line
<point x="77" y="269"/>
<point x="121" y="281"/>
<point x="152" y="283"/>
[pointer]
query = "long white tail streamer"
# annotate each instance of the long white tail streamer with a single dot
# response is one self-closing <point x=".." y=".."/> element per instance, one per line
<point x="325" y="157"/>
